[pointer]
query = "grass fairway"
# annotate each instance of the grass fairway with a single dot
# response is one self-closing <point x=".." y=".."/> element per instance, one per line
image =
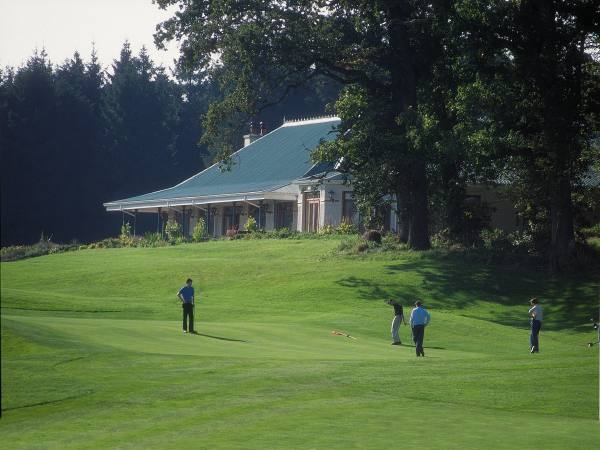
<point x="93" y="355"/>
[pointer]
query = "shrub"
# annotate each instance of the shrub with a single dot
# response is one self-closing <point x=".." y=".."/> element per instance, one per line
<point x="13" y="253"/>
<point x="251" y="224"/>
<point x="391" y="242"/>
<point x="152" y="240"/>
<point x="172" y="230"/>
<point x="199" y="233"/>
<point x="125" y="237"/>
<point x="495" y="239"/>
<point x="43" y="247"/>
<point x="349" y="245"/>
<point x="372" y="236"/>
<point x="362" y="247"/>
<point x="107" y="243"/>
<point x="347" y="228"/>
<point x="180" y="240"/>
<point x="326" y="229"/>
<point x="522" y="241"/>
<point x="442" y="239"/>
<point x="507" y="247"/>
<point x="258" y="234"/>
<point x="282" y="233"/>
<point x="592" y="232"/>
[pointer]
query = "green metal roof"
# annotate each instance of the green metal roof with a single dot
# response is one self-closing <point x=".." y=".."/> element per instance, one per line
<point x="270" y="162"/>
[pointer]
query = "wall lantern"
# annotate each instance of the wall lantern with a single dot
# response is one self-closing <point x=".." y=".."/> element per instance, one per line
<point x="331" y="196"/>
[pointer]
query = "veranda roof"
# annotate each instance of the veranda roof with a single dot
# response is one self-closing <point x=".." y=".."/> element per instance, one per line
<point x="259" y="169"/>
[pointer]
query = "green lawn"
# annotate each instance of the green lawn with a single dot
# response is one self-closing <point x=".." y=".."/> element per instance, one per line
<point x="93" y="355"/>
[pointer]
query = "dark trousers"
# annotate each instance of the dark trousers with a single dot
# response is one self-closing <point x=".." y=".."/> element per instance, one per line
<point x="418" y="334"/>
<point x="536" y="326"/>
<point x="188" y="312"/>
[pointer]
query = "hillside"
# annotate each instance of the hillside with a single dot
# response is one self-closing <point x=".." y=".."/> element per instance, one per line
<point x="93" y="355"/>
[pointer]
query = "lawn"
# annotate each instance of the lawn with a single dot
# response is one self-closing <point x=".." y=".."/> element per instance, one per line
<point x="93" y="355"/>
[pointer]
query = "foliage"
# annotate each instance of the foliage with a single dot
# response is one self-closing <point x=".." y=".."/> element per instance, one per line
<point x="506" y="244"/>
<point x="348" y="245"/>
<point x="347" y="228"/>
<point x="251" y="224"/>
<point x="173" y="230"/>
<point x="41" y="248"/>
<point x="88" y="132"/>
<point x="476" y="217"/>
<point x="372" y="236"/>
<point x="105" y="243"/>
<point x="593" y="231"/>
<point x="200" y="231"/>
<point x="357" y="245"/>
<point x="495" y="239"/>
<point x="125" y="237"/>
<point x="443" y="239"/>
<point x="282" y="233"/>
<point x="531" y="102"/>
<point x="326" y="229"/>
<point x="151" y="239"/>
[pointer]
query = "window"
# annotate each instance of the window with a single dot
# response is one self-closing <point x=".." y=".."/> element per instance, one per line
<point x="231" y="218"/>
<point x="259" y="214"/>
<point x="284" y="215"/>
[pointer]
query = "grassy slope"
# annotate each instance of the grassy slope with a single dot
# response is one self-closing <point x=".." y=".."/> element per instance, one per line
<point x="92" y="354"/>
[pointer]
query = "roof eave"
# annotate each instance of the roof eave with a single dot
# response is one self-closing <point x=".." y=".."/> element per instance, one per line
<point x="199" y="200"/>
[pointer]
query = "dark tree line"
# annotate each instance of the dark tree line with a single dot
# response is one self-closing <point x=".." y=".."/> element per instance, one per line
<point x="73" y="136"/>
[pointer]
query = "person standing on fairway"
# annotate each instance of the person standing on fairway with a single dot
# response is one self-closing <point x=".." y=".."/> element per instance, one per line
<point x="536" y="315"/>
<point x="398" y="319"/>
<point x="419" y="318"/>
<point x="186" y="295"/>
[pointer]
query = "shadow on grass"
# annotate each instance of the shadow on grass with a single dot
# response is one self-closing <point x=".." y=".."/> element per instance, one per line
<point x="220" y="338"/>
<point x="453" y="283"/>
<point x="50" y="402"/>
<point x="425" y="347"/>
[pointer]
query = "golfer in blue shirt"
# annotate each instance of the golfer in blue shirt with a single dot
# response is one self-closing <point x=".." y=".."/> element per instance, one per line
<point x="186" y="295"/>
<point x="419" y="318"/>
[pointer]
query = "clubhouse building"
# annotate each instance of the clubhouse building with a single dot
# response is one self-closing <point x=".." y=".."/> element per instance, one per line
<point x="273" y="180"/>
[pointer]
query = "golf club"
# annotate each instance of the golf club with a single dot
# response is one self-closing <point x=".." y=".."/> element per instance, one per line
<point x="341" y="333"/>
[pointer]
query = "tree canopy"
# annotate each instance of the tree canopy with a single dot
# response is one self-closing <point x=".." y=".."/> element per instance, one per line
<point x="436" y="94"/>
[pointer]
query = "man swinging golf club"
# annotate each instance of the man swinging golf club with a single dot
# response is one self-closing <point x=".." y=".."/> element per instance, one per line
<point x="419" y="318"/>
<point x="398" y="319"/>
<point x="186" y="295"/>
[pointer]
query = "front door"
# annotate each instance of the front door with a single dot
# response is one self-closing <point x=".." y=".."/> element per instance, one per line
<point x="312" y="203"/>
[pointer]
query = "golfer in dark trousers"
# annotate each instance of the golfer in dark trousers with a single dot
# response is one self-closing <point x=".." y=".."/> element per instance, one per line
<point x="398" y="319"/>
<point x="536" y="315"/>
<point x="419" y="318"/>
<point x="186" y="295"/>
